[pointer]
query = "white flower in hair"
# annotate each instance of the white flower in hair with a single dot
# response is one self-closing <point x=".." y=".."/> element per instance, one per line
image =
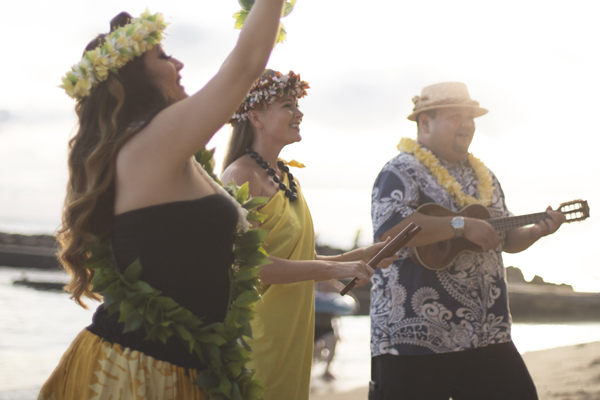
<point x="266" y="90"/>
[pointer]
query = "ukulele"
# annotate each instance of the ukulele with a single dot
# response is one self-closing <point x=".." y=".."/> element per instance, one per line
<point x="437" y="256"/>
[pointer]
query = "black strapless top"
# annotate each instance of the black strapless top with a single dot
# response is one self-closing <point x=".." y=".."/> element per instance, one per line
<point x="185" y="249"/>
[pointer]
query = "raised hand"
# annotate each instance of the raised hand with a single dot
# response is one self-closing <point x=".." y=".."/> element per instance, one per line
<point x="240" y="16"/>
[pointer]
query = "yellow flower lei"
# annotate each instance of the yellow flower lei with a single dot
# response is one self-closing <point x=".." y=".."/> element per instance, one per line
<point x="120" y="46"/>
<point x="447" y="181"/>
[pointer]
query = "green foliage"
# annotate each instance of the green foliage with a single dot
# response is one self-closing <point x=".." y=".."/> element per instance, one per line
<point x="240" y="16"/>
<point x="205" y="158"/>
<point x="246" y="4"/>
<point x="255" y="202"/>
<point x="288" y="7"/>
<point x="220" y="346"/>
<point x="132" y="273"/>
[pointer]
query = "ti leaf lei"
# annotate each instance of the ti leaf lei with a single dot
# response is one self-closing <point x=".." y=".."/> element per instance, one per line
<point x="219" y="346"/>
<point x="240" y="16"/>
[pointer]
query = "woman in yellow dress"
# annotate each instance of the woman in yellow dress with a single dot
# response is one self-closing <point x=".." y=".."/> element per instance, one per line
<point x="135" y="200"/>
<point x="283" y="327"/>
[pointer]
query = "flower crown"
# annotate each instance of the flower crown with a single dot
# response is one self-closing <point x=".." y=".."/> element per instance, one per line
<point x="119" y="47"/>
<point x="268" y="88"/>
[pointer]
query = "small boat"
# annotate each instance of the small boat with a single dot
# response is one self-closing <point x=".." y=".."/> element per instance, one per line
<point x="333" y="303"/>
<point x="51" y="286"/>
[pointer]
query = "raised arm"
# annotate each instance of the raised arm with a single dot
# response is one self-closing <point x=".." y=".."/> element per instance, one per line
<point x="182" y="129"/>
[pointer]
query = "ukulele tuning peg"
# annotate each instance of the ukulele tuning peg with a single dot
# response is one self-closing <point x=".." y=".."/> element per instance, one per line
<point x="576" y="210"/>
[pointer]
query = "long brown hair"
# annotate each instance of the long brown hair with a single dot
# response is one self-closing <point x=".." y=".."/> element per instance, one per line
<point x="115" y="111"/>
<point x="242" y="134"/>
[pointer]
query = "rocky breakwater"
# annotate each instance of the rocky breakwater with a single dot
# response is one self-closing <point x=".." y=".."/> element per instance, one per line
<point x="539" y="301"/>
<point x="533" y="301"/>
<point x="34" y="251"/>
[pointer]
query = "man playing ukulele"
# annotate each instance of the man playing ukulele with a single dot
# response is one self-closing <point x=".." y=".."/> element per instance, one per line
<point x="444" y="333"/>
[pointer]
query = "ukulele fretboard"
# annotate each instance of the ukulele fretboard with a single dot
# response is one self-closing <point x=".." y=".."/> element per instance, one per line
<point x="507" y="223"/>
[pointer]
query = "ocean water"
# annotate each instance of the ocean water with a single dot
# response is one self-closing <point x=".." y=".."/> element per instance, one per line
<point x="36" y="327"/>
<point x="352" y="365"/>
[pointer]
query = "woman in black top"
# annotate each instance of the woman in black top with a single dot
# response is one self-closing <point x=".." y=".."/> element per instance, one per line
<point x="134" y="179"/>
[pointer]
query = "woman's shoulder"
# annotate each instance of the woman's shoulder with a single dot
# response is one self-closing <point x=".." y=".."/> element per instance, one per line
<point x="243" y="170"/>
<point x="140" y="152"/>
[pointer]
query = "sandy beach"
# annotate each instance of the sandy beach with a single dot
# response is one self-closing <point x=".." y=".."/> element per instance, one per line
<point x="560" y="373"/>
<point x="564" y="373"/>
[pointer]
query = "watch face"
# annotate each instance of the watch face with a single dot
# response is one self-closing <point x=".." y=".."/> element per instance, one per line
<point x="458" y="222"/>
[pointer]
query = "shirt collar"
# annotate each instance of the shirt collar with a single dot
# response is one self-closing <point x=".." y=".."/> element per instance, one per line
<point x="461" y="164"/>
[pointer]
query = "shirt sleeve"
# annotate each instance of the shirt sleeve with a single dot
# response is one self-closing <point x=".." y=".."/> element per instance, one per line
<point x="498" y="199"/>
<point x="499" y="204"/>
<point x="395" y="196"/>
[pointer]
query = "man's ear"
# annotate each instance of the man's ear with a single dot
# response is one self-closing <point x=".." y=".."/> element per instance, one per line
<point x="424" y="120"/>
<point x="254" y="118"/>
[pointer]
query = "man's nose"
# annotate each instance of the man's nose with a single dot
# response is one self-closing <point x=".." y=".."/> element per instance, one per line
<point x="468" y="123"/>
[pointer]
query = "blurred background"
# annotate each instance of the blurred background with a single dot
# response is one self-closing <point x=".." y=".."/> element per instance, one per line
<point x="533" y="64"/>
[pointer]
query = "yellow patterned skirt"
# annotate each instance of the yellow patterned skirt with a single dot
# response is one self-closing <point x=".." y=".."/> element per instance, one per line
<point x="95" y="369"/>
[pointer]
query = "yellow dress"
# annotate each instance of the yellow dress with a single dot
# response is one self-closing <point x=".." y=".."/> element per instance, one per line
<point x="283" y="328"/>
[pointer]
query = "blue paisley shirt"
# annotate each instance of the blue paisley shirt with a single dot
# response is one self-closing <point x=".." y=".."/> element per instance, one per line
<point x="416" y="311"/>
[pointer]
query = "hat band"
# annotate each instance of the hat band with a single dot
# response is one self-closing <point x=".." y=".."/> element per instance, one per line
<point x="452" y="101"/>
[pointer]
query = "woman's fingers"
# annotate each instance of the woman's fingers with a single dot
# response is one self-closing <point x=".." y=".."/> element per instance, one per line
<point x="363" y="273"/>
<point x="356" y="269"/>
<point x="373" y="249"/>
<point x="386" y="262"/>
<point x="370" y="270"/>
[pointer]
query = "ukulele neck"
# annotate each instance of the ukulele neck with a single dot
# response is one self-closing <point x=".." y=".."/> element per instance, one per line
<point x="508" y="223"/>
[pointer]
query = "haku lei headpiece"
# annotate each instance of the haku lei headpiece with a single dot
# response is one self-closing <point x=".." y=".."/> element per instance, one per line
<point x="240" y="16"/>
<point x="119" y="47"/>
<point x="447" y="181"/>
<point x="268" y="88"/>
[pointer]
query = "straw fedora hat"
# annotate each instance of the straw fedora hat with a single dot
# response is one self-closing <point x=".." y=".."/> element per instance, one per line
<point x="443" y="95"/>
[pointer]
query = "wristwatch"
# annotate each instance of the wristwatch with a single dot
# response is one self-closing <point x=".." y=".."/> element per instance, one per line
<point x="458" y="223"/>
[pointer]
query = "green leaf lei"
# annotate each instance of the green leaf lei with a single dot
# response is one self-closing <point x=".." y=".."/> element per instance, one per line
<point x="219" y="346"/>
<point x="240" y="16"/>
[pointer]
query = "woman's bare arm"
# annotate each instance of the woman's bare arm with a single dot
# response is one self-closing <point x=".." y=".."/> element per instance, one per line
<point x="180" y="130"/>
<point x="290" y="271"/>
<point x="363" y="254"/>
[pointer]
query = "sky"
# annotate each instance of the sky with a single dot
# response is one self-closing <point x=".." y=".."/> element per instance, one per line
<point x="534" y="65"/>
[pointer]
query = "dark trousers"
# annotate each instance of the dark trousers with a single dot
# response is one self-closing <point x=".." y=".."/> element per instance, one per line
<point x="494" y="372"/>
